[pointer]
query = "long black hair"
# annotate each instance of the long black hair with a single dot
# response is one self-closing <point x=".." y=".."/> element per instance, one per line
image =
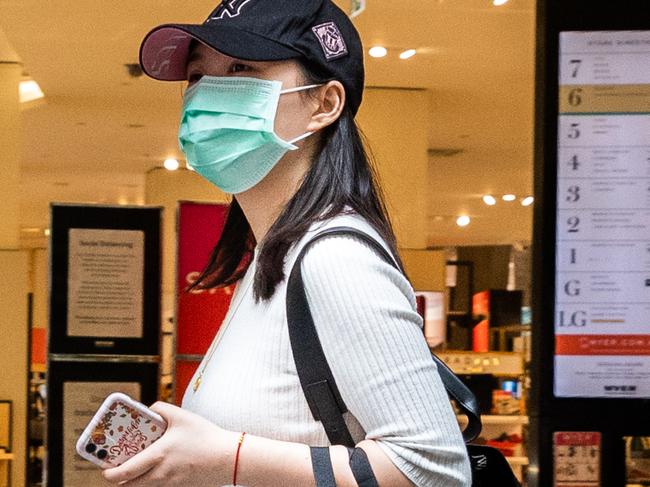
<point x="341" y="174"/>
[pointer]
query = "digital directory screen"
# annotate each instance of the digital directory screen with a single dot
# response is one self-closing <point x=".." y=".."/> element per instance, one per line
<point x="602" y="283"/>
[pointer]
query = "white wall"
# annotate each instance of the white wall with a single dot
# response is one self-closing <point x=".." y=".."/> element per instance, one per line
<point x="39" y="286"/>
<point x="14" y="286"/>
<point x="395" y="121"/>
<point x="10" y="142"/>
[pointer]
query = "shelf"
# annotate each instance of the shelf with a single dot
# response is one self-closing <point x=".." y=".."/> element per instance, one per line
<point x="38" y="368"/>
<point x="497" y="419"/>
<point x="517" y="461"/>
<point x="500" y="364"/>
<point x="6" y="456"/>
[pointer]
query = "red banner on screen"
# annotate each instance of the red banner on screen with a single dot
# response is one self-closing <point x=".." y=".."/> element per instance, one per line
<point x="602" y="345"/>
<point x="199" y="313"/>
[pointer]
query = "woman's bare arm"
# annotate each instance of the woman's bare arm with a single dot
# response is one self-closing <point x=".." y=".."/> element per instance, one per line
<point x="264" y="462"/>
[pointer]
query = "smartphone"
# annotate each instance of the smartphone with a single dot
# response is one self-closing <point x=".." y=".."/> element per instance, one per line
<point x="121" y="428"/>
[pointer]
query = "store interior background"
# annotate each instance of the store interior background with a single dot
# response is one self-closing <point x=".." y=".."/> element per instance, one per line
<point x="448" y="126"/>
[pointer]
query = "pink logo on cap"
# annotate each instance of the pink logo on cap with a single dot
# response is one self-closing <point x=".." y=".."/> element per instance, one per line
<point x="331" y="40"/>
<point x="227" y="8"/>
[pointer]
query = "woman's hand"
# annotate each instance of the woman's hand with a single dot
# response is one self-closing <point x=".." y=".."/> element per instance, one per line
<point x="192" y="452"/>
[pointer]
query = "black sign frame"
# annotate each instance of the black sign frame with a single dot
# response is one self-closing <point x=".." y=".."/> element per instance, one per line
<point x="614" y="417"/>
<point x="146" y="219"/>
<point x="59" y="372"/>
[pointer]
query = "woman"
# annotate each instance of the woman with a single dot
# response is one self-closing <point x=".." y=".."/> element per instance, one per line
<point x="261" y="73"/>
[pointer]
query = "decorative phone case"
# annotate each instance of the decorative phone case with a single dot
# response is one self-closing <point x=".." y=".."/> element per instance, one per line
<point x="120" y="428"/>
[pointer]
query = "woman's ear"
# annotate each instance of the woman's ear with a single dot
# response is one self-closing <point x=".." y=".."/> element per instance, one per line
<point x="329" y="102"/>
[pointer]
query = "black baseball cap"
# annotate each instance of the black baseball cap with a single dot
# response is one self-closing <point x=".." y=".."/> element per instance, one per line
<point x="316" y="32"/>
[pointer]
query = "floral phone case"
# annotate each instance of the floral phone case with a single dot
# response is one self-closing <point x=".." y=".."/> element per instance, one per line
<point x="120" y="428"/>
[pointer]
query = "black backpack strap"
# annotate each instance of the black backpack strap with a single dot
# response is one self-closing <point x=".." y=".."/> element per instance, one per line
<point x="465" y="399"/>
<point x="321" y="464"/>
<point x="324" y="473"/>
<point x="315" y="375"/>
<point x="316" y="379"/>
<point x="361" y="468"/>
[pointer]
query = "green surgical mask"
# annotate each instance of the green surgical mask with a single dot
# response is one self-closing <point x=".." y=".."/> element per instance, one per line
<point x="227" y="130"/>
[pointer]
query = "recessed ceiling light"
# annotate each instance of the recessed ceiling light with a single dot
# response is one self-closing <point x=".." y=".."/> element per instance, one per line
<point x="171" y="164"/>
<point x="463" y="221"/>
<point x="29" y="90"/>
<point x="499" y="2"/>
<point x="378" y="51"/>
<point x="489" y="200"/>
<point x="509" y="197"/>
<point x="407" y="54"/>
<point x="527" y="201"/>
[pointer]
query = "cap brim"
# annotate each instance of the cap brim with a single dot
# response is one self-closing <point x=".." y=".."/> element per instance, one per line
<point x="164" y="50"/>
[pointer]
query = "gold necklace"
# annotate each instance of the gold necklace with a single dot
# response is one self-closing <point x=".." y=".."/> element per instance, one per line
<point x="219" y="336"/>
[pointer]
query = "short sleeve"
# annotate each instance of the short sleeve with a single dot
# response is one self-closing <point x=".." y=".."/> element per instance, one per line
<point x="364" y="312"/>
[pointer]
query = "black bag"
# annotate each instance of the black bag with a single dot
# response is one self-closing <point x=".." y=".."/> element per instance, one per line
<point x="489" y="467"/>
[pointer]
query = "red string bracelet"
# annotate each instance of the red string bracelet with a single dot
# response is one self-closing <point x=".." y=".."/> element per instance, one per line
<point x="241" y="440"/>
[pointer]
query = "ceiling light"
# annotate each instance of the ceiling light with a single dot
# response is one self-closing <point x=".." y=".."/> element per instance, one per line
<point x="499" y="2"/>
<point x="463" y="221"/>
<point x="29" y="90"/>
<point x="407" y="54"/>
<point x="489" y="200"/>
<point x="509" y="197"/>
<point x="171" y="164"/>
<point x="378" y="51"/>
<point x="527" y="201"/>
<point x="46" y="232"/>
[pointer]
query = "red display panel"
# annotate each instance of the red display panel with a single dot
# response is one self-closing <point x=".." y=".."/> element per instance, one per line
<point x="184" y="371"/>
<point x="199" y="314"/>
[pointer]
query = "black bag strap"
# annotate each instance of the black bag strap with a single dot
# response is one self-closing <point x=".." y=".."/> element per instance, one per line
<point x="359" y="464"/>
<point x="318" y="384"/>
<point x="321" y="464"/>
<point x="361" y="469"/>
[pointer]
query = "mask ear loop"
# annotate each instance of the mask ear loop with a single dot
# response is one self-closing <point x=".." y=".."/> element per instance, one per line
<point x="303" y="136"/>
<point x="292" y="90"/>
<point x="299" y="88"/>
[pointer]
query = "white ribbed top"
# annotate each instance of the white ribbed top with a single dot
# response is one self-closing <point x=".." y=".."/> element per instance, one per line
<point x="366" y="317"/>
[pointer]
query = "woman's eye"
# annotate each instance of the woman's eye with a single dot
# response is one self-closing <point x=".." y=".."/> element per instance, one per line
<point x="237" y="67"/>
